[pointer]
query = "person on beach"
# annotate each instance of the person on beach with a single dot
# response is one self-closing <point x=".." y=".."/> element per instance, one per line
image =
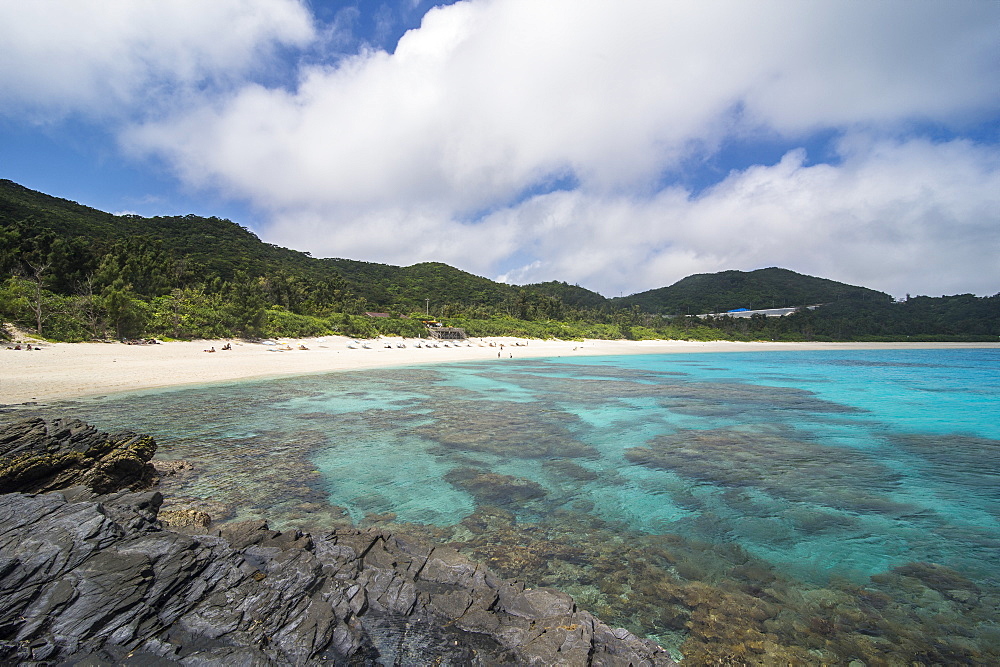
<point x="212" y="349"/>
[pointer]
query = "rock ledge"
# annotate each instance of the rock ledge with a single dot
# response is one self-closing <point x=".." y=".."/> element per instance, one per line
<point x="96" y="576"/>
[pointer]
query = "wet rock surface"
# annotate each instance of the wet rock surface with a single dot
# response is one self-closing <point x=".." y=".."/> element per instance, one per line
<point x="38" y="455"/>
<point x="98" y="577"/>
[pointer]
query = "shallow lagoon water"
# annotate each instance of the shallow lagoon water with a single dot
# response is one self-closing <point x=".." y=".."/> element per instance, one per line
<point x="759" y="507"/>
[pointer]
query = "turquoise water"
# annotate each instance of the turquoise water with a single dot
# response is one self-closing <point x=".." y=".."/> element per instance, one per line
<point x="808" y="481"/>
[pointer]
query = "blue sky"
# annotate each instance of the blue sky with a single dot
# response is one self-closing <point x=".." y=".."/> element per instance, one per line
<point x="617" y="144"/>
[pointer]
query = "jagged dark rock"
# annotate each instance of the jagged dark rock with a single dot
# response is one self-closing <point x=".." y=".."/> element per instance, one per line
<point x="38" y="455"/>
<point x="101" y="579"/>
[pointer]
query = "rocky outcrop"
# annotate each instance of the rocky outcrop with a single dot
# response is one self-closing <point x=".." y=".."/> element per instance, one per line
<point x="101" y="578"/>
<point x="38" y="455"/>
<point x="86" y="577"/>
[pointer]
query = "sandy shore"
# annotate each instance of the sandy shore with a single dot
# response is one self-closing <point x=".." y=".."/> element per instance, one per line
<point x="73" y="370"/>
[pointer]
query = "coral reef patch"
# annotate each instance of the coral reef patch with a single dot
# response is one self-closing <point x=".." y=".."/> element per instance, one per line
<point x="774" y="460"/>
<point x="516" y="430"/>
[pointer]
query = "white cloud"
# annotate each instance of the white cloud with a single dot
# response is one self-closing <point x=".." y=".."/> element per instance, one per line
<point x="911" y="216"/>
<point x="488" y="97"/>
<point x="901" y="217"/>
<point x="113" y="56"/>
<point x="430" y="152"/>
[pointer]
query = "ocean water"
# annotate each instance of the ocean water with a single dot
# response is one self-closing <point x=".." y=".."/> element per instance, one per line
<point x="765" y="508"/>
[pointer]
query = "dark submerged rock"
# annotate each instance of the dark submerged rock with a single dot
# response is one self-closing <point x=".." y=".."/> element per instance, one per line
<point x="494" y="488"/>
<point x="100" y="578"/>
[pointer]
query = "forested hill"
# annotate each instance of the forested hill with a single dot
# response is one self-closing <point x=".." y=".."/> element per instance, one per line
<point x="218" y="248"/>
<point x="571" y="295"/>
<point x="728" y="290"/>
<point x="214" y="248"/>
<point x="71" y="272"/>
<point x="406" y="287"/>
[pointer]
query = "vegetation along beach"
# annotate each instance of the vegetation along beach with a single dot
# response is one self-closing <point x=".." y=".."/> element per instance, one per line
<point x="500" y="332"/>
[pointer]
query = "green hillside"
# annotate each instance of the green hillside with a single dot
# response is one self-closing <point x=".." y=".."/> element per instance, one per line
<point x="406" y="288"/>
<point x="728" y="290"/>
<point x="71" y="272"/>
<point x="571" y="295"/>
<point x="218" y="248"/>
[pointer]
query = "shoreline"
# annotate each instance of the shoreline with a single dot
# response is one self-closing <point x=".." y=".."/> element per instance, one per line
<point x="64" y="371"/>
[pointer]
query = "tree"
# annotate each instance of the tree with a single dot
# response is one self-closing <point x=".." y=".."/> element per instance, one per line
<point x="88" y="308"/>
<point x="38" y="277"/>
<point x="126" y="312"/>
<point x="245" y="311"/>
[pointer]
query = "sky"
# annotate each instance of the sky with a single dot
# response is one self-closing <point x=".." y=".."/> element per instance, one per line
<point x="620" y="145"/>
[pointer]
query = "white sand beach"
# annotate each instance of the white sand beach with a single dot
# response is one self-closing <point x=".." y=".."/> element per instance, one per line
<point x="72" y="370"/>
